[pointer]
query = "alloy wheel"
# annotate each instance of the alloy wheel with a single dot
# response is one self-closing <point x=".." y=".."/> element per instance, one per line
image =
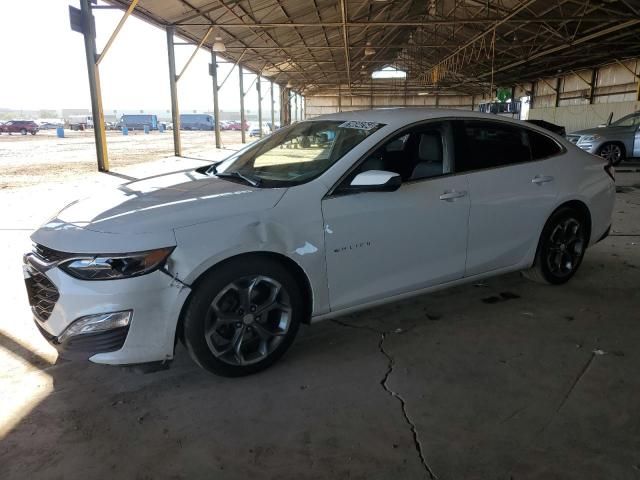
<point x="612" y="153"/>
<point x="565" y="247"/>
<point x="247" y="320"/>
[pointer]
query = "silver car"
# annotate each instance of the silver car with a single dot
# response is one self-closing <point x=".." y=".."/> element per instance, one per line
<point x="615" y="142"/>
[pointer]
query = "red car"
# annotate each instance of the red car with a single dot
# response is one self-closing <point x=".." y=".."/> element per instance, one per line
<point x="236" y="125"/>
<point x="19" y="126"/>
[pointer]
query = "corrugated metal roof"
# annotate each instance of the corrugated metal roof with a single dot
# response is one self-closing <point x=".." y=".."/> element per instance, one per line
<point x="463" y="45"/>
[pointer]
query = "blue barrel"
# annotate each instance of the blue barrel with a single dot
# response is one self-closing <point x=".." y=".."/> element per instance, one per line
<point x="161" y="127"/>
<point x="146" y="129"/>
<point x="60" y="132"/>
<point x="125" y="130"/>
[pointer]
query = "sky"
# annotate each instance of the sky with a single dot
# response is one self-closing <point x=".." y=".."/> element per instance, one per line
<point x="43" y="64"/>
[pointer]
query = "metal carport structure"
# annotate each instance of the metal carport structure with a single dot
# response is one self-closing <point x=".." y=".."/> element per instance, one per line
<point x="318" y="46"/>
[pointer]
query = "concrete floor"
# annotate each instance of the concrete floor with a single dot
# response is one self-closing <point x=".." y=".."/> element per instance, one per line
<point x="506" y="379"/>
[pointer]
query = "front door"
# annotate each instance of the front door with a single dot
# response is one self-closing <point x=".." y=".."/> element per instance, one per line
<point x="380" y="244"/>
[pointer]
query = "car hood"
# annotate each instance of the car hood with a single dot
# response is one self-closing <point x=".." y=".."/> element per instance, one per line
<point x="153" y="207"/>
<point x="598" y="130"/>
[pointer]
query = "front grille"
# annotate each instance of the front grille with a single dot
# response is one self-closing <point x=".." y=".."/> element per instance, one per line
<point x="573" y="138"/>
<point x="49" y="255"/>
<point x="42" y="294"/>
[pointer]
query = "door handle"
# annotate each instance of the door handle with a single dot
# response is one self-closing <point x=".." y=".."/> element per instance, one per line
<point x="540" y="179"/>
<point x="451" y="196"/>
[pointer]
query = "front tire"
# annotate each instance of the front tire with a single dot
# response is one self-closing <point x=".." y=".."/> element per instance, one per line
<point x="612" y="152"/>
<point x="560" y="249"/>
<point x="243" y="316"/>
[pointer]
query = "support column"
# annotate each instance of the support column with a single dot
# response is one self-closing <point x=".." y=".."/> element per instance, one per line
<point x="558" y="85"/>
<point x="339" y="98"/>
<point x="259" y="89"/>
<point x="592" y="90"/>
<point x="242" y="120"/>
<point x="532" y="97"/>
<point x="89" y="30"/>
<point x="273" y="111"/>
<point x="216" y="107"/>
<point x="285" y="106"/>
<point x="173" y="87"/>
<point x="295" y="105"/>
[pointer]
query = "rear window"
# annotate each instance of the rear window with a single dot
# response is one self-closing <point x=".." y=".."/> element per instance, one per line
<point x="542" y="146"/>
<point x="486" y="144"/>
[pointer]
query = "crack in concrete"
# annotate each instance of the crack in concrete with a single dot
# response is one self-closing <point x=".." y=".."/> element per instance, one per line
<point x="595" y="353"/>
<point x="383" y="383"/>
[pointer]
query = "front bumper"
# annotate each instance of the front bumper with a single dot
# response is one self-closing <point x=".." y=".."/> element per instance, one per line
<point x="155" y="299"/>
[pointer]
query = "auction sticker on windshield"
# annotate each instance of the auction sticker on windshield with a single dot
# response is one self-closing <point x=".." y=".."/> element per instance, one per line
<point x="360" y="125"/>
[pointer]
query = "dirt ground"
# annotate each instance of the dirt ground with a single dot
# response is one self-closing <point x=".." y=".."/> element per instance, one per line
<point x="503" y="379"/>
<point x="31" y="159"/>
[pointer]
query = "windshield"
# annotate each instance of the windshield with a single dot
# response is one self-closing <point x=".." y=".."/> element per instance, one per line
<point x="628" y="121"/>
<point x="296" y="154"/>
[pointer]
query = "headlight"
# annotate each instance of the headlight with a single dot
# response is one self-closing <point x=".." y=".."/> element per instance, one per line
<point x="588" y="138"/>
<point x="111" y="267"/>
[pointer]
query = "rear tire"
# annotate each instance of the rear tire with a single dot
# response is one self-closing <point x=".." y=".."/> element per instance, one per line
<point x="243" y="316"/>
<point x="561" y="248"/>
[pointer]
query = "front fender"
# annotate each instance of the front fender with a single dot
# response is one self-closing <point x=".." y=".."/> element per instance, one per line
<point x="201" y="247"/>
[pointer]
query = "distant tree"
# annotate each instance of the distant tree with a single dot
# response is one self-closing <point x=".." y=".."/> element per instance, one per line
<point x="48" y="114"/>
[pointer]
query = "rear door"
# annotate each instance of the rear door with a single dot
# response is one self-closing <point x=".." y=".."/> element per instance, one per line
<point x="511" y="174"/>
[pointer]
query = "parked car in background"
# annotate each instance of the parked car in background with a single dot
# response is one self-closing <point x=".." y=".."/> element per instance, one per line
<point x="20" y="126"/>
<point x="615" y="142"/>
<point x="234" y="125"/>
<point x="196" y="121"/>
<point x="256" y="131"/>
<point x="50" y="125"/>
<point x="552" y="127"/>
<point x="320" y="219"/>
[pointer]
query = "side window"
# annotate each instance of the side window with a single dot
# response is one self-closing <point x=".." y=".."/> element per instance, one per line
<point x="415" y="154"/>
<point x="485" y="144"/>
<point x="542" y="146"/>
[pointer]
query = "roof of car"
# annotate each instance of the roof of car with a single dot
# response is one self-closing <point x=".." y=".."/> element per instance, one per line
<point x="402" y="116"/>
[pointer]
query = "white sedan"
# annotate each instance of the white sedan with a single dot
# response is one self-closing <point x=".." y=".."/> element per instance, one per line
<point x="319" y="219"/>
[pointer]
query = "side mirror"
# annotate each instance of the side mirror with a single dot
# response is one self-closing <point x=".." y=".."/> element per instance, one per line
<point x="376" y="181"/>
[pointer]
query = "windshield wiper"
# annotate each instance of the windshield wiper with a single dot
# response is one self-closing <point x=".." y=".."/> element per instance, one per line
<point x="254" y="182"/>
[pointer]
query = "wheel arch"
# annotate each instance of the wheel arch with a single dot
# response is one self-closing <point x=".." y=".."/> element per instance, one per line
<point x="620" y="143"/>
<point x="291" y="265"/>
<point x="575" y="204"/>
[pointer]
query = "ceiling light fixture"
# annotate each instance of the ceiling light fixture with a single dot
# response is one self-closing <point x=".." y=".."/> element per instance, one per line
<point x="218" y="45"/>
<point x="369" y="50"/>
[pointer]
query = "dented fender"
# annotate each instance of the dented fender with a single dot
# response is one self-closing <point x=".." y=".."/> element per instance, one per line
<point x="200" y="247"/>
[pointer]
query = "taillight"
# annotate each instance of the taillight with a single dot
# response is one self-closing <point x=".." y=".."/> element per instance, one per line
<point x="611" y="171"/>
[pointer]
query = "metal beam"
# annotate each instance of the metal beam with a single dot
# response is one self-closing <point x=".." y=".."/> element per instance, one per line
<point x="116" y="31"/>
<point x="259" y="89"/>
<point x="549" y="51"/>
<point x="242" y="120"/>
<point x="93" y="71"/>
<point x="273" y="110"/>
<point x="424" y="23"/>
<point x="345" y="38"/>
<point x="173" y="88"/>
<point x="194" y="53"/>
<point x="230" y="71"/>
<point x="216" y="107"/>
